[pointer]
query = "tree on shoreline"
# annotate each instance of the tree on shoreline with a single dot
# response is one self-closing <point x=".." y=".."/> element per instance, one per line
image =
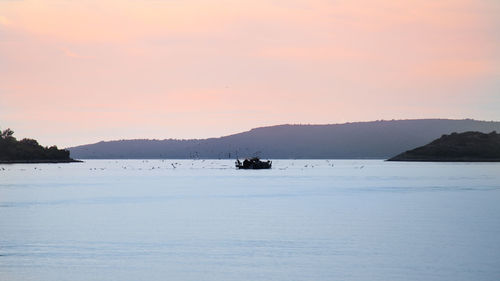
<point x="27" y="149"/>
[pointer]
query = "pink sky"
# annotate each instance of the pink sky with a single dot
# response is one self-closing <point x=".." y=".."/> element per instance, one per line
<point x="76" y="72"/>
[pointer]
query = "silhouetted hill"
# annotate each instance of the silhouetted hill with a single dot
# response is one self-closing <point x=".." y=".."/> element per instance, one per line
<point x="377" y="139"/>
<point x="468" y="146"/>
<point x="29" y="151"/>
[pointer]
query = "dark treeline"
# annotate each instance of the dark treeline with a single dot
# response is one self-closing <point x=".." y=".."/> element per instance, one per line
<point x="468" y="146"/>
<point x="12" y="150"/>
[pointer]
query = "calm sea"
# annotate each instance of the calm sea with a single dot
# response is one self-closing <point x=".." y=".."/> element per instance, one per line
<point x="204" y="220"/>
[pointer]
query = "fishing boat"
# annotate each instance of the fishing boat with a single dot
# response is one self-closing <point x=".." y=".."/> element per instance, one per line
<point x="253" y="164"/>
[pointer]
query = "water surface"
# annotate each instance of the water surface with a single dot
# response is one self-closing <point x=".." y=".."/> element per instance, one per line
<point x="204" y="220"/>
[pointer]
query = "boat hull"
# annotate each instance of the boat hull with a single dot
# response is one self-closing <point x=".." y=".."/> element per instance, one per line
<point x="253" y="164"/>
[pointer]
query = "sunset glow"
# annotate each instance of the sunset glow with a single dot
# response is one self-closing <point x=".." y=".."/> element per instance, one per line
<point x="75" y="72"/>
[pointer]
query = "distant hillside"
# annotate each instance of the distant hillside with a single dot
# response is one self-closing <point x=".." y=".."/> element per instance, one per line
<point x="28" y="151"/>
<point x="378" y="139"/>
<point x="468" y="146"/>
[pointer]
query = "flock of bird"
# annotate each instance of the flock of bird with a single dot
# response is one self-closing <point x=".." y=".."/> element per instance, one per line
<point x="194" y="164"/>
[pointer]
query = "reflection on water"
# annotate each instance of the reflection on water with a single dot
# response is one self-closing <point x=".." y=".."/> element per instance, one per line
<point x="205" y="220"/>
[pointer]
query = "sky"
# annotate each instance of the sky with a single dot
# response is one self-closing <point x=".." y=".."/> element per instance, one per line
<point x="77" y="72"/>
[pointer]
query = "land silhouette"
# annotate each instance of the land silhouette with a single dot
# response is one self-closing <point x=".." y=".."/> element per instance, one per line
<point x="29" y="151"/>
<point x="362" y="140"/>
<point x="457" y="147"/>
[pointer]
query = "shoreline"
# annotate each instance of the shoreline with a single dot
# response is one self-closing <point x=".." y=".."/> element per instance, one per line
<point x="443" y="160"/>
<point x="50" y="161"/>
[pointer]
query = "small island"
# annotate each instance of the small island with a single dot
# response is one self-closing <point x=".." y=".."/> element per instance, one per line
<point x="29" y="151"/>
<point x="457" y="147"/>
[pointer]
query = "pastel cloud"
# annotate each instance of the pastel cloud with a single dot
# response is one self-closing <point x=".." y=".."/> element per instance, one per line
<point x="199" y="68"/>
<point x="4" y="21"/>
